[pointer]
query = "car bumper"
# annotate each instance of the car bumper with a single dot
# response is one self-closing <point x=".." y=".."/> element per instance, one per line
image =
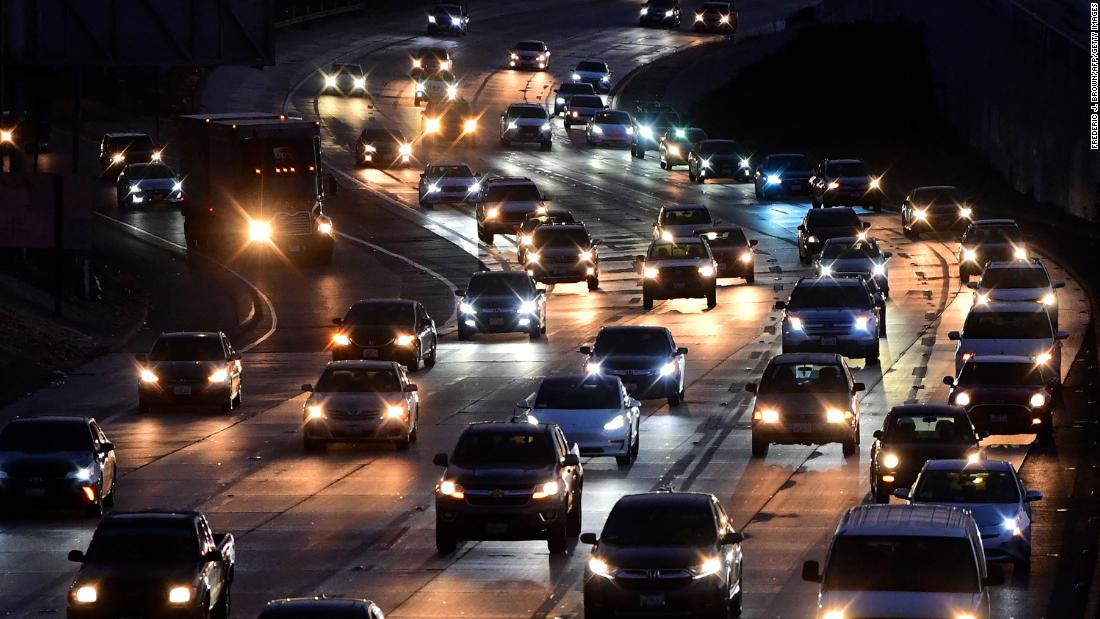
<point x="853" y="196"/>
<point x="606" y="443"/>
<point x="788" y="187"/>
<point x="888" y="480"/>
<point x="656" y="20"/>
<point x="603" y="138"/>
<point x="527" y="63"/>
<point x="1008" y="419"/>
<point x="530" y="521"/>
<point x="102" y="611"/>
<point x="520" y="135"/>
<point x="938" y="223"/>
<point x="1002" y="545"/>
<point x="803" y="433"/>
<point x="691" y="598"/>
<point x="734" y="267"/>
<point x="184" y="393"/>
<point x="562" y="273"/>
<point x="671" y="159"/>
<point x="678" y="289"/>
<point x="736" y="173"/>
<point x="47" y="493"/>
<point x="500" y="323"/>
<point x="714" y="26"/>
<point x="384" y="160"/>
<point x="847" y="345"/>
<point x="144" y="198"/>
<point x="352" y="430"/>
<point x="449" y="197"/>
<point x="649" y="386"/>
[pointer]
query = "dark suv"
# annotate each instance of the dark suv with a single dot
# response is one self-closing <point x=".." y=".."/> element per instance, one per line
<point x="913" y="434"/>
<point x="820" y="225"/>
<point x="509" y="481"/>
<point x="831" y="315"/>
<point x="650" y="123"/>
<point x="645" y="358"/>
<point x="989" y="240"/>
<point x="665" y="552"/>
<point x="386" y="330"/>
<point x="501" y="302"/>
<point x="563" y="253"/>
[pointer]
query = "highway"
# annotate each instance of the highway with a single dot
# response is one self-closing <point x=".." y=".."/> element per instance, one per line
<point x="359" y="521"/>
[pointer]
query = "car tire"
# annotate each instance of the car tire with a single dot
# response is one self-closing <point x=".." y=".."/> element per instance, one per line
<point x="567" y="124"/>
<point x="675" y="399"/>
<point x="485" y="237"/>
<point x="464" y="334"/>
<point x="632" y="452"/>
<point x="882" y="324"/>
<point x="547" y="146"/>
<point x="143" y="407"/>
<point x="664" y="166"/>
<point x="222" y="608"/>
<point x="647" y="301"/>
<point x="414" y="361"/>
<point x="534" y="333"/>
<point x="759" y="195"/>
<point x="815" y="203"/>
<point x="750" y="278"/>
<point x="239" y="399"/>
<point x="576" y="516"/>
<point x="558" y="540"/>
<point x="712" y="298"/>
<point x="430" y="360"/>
<point x="593" y="283"/>
<point x="590" y="612"/>
<point x="872" y="354"/>
<point x="691" y="175"/>
<point x="881" y="496"/>
<point x="312" y="445"/>
<point x="848" y="447"/>
<point x="700" y="179"/>
<point x="403" y="444"/>
<point x="759" y="447"/>
<point x="227" y="405"/>
<point x="445" y="541"/>
<point x="802" y="257"/>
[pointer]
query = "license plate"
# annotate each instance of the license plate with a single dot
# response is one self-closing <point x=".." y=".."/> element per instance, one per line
<point x="828" y="341"/>
<point x="802" y="427"/>
<point x="294" y="248"/>
<point x="496" y="528"/>
<point x="354" y="429"/>
<point x="650" y="601"/>
<point x="998" y="419"/>
<point x="678" y="284"/>
<point x="796" y="187"/>
<point x="370" y="353"/>
<point x="36" y="492"/>
<point x="182" y="390"/>
<point x="496" y="322"/>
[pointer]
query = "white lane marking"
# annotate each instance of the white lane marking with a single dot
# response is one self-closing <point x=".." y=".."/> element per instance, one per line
<point x="263" y="297"/>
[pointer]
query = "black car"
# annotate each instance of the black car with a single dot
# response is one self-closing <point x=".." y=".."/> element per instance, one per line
<point x="664" y="13"/>
<point x="321" y="608"/>
<point x="191" y="367"/>
<point x="56" y="461"/>
<point x="509" y="481"/>
<point x="819" y="226"/>
<point x="549" y="215"/>
<point x="1006" y="394"/>
<point x="382" y="147"/>
<point x="935" y="209"/>
<point x="646" y="359"/>
<point x="665" y="553"/>
<point x="563" y="253"/>
<point x="501" y="302"/>
<point x="450" y="119"/>
<point x="711" y="159"/>
<point x="649" y="124"/>
<point x="153" y="564"/>
<point x="912" y="434"/>
<point x="989" y="240"/>
<point x="732" y="252"/>
<point x="567" y="91"/>
<point x="782" y="174"/>
<point x="449" y="18"/>
<point x="119" y="149"/>
<point x="845" y="181"/>
<point x="345" y="79"/>
<point x="716" y="17"/>
<point x="428" y="60"/>
<point x="676" y="143"/>
<point x="388" y="330"/>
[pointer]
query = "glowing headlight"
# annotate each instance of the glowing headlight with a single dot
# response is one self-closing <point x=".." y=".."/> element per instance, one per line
<point x="431" y="125"/>
<point x="420" y="88"/>
<point x="369" y="148"/>
<point x="177" y="186"/>
<point x="405" y="150"/>
<point x="630" y="130"/>
<point x="86" y="595"/>
<point x="745" y="163"/>
<point x="834" y="184"/>
<point x="259" y="231"/>
<point x="706" y="270"/>
<point x="698" y="17"/>
<point x="586" y="255"/>
<point x="1048" y="299"/>
<point x="598" y="566"/>
<point x="970" y="255"/>
<point x="452" y="91"/>
<point x="974" y="457"/>
<point x="833" y="614"/>
<point x="156" y="155"/>
<point x="341" y="339"/>
<point x="962" y="398"/>
<point x="920" y="214"/>
<point x="725" y="19"/>
<point x="135" y="188"/>
<point x="705" y="163"/>
<point x="795" y="322"/>
<point x="605" y="78"/>
<point x="219" y="376"/>
<point x="669" y="13"/>
<point x="395" y="412"/>
<point x="890" y="461"/>
<point x="118" y="157"/>
<point x="1038" y="400"/>
<point x="560" y="100"/>
<point x="7" y="135"/>
<point x="982" y="299"/>
<point x="674" y="150"/>
<point x="315" y="411"/>
<point x="769" y="415"/>
<point x="451" y="489"/>
<point x="527" y="307"/>
<point x="834" y="415"/>
<point x="876" y="183"/>
<point x="616" y="422"/>
<point x="1013" y="524"/>
<point x="474" y="188"/>
<point x="576" y="77"/>
<point x="709" y="567"/>
<point x="966" y="212"/>
<point x="541" y="58"/>
<point x="330" y="81"/>
<point x="597" y="129"/>
<point x="773" y="179"/>
<point x="456" y="21"/>
<point x="878" y="270"/>
<point x="644" y="11"/>
<point x="964" y="616"/>
<point x="433" y="188"/>
<point x="546" y="126"/>
<point x="1043" y="358"/>
<point x="416" y="63"/>
<point x="492" y="213"/>
<point x="179" y="595"/>
<point x="514" y="56"/>
<point x="82" y="474"/>
<point x="466" y="308"/>
<point x="668" y="369"/>
<point x="745" y="257"/>
<point x="650" y="273"/>
<point x="862" y="322"/>
<point x="548" y="489"/>
<point x="592" y="367"/>
<point x="826" y="270"/>
<point x="431" y="19"/>
<point x="359" y="83"/>
<point x="148" y="377"/>
<point x="667" y="235"/>
<point x="1020" y="253"/>
<point x="533" y="256"/>
<point x="405" y="340"/>
<point x="646" y="132"/>
<point x="469" y="126"/>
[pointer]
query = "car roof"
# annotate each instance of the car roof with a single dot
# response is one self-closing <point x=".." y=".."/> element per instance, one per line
<point x="535" y="41"/>
<point x="795" y="358"/>
<point x="440" y="164"/>
<point x="637" y="328"/>
<point x="785" y="155"/>
<point x="125" y="135"/>
<point x="1018" y="307"/>
<point x="151" y="515"/>
<point x="361" y="364"/>
<point x="834" y="281"/>
<point x="393" y="301"/>
<point x="526" y="105"/>
<point x="564" y="226"/>
<point x="684" y="207"/>
<point x="999" y="359"/>
<point x="847" y="240"/>
<point x="518" y="427"/>
<point x="680" y="240"/>
<point x="935" y="188"/>
<point x="926" y="409"/>
<point x="916" y="520"/>
<point x="844" y="161"/>
<point x="52" y="419"/>
<point x="960" y="464"/>
<point x="423" y="51"/>
<point x="993" y="223"/>
<point x="509" y="180"/>
<point x="818" y="213"/>
<point x="569" y="380"/>
<point x="187" y="335"/>
<point x="718" y="141"/>
<point x="501" y="275"/>
<point x="1015" y="264"/>
<point x="654" y="499"/>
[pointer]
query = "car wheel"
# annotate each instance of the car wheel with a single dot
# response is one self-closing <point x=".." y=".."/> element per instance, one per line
<point x="143" y="407"/>
<point x="647" y="301"/>
<point x="872" y="355"/>
<point x="485" y="237"/>
<point x="691" y="175"/>
<point x="464" y="334"/>
<point x="534" y="333"/>
<point x="815" y="203"/>
<point x="445" y="541"/>
<point x="567" y="125"/>
<point x="882" y="323"/>
<point x="759" y="447"/>
<point x="750" y="278"/>
<point x="575" y="516"/>
<point x="759" y="195"/>
<point x="848" y="447"/>
<point x="547" y="145"/>
<point x="95" y="510"/>
<point x="240" y="396"/>
<point x="227" y="405"/>
<point x="664" y="166"/>
<point x="736" y="602"/>
<point x="590" y="612"/>
<point x="222" y="609"/>
<point x="593" y="283"/>
<point x="712" y="298"/>
<point x="699" y="178"/>
<point x="882" y="496"/>
<point x="674" y="399"/>
<point x="431" y="359"/>
<point x="312" y="445"/>
<point x="558" y="540"/>
<point x="402" y="444"/>
<point x="802" y="257"/>
<point x="414" y="360"/>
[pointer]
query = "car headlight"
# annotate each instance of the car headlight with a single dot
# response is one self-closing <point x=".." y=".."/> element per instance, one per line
<point x="560" y="100"/>
<point x="674" y="150"/>
<point x="616" y="422"/>
<point x="586" y="255"/>
<point x="85" y="595"/>
<point x="795" y="322"/>
<point x="592" y="367"/>
<point x="876" y="183"/>
<point x="1013" y="524"/>
<point x="147" y="376"/>
<point x="433" y="188"/>
<point x="177" y="186"/>
<point x="890" y="461"/>
<point x="118" y="157"/>
<point x="705" y="163"/>
<point x="81" y="474"/>
<point x="773" y="179"/>
<point x="512" y="125"/>
<point x="514" y="56"/>
<point x="862" y="322"/>
<point x="709" y="567"/>
<point x="706" y="270"/>
<point x="650" y="272"/>
<point x="405" y="150"/>
<point x="645" y="11"/>
<point x="533" y="256"/>
<point x="745" y="163"/>
<point x="416" y="63"/>
<point x="341" y="339"/>
<point x="135" y="188"/>
<point x="966" y="212"/>
<point x="179" y="595"/>
<point x="962" y="398"/>
<point x="969" y="255"/>
<point x="646" y="132"/>
<point x="431" y="19"/>
<point x="833" y="614"/>
<point x="1048" y="299"/>
<point x="330" y="81"/>
<point x="452" y="91"/>
<point x="598" y="566"/>
<point x="259" y="231"/>
<point x="359" y="83"/>
<point x="395" y="412"/>
<point x="420" y="88"/>
<point x="475" y="187"/>
<point x="1042" y="358"/>
<point x="527" y="307"/>
<point x="576" y="77"/>
<point x="878" y="270"/>
<point x="826" y="270"/>
<point x="767" y="415"/>
<point x="456" y="21"/>
<point x="451" y="489"/>
<point x="667" y="235"/>
<point x="549" y="489"/>
<point x="1020" y="253"/>
<point x="546" y="126"/>
<point x="630" y="130"/>
<point x="466" y="308"/>
<point x="834" y="184"/>
<point x="982" y="299"/>
<point x="315" y="411"/>
<point x="7" y="135"/>
<point x="921" y="214"/>
<point x="405" y="340"/>
<point x="811" y="239"/>
<point x="669" y="13"/>
<point x="835" y="415"/>
<point x="469" y="126"/>
<point x="219" y="376"/>
<point x="605" y="78"/>
<point x="1038" y="400"/>
<point x="725" y="19"/>
<point x="431" y="125"/>
<point x="698" y="17"/>
<point x="667" y="369"/>
<point x="745" y="257"/>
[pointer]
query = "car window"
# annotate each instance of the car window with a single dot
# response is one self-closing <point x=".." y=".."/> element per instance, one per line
<point x="1007" y="325"/>
<point x="381" y="135"/>
<point x="687" y="135"/>
<point x="591" y="66"/>
<point x="982" y="373"/>
<point x="677" y="251"/>
<point x="123" y="543"/>
<point x="993" y="234"/>
<point x="625" y="342"/>
<point x="1024" y="277"/>
<point x="848" y="250"/>
<point x="930" y="196"/>
<point x="380" y="313"/>
<point x="928" y="428"/>
<point x="519" y="448"/>
<point x="576" y="88"/>
<point x="845" y="169"/>
<point x="945" y="486"/>
<point x="829" y="294"/>
<point x="718" y="147"/>
<point x="135" y="142"/>
<point x="649" y="524"/>
<point x="530" y="46"/>
<point x="150" y="171"/>
<point x="612" y="117"/>
<point x="685" y="216"/>
<point x="549" y="236"/>
<point x="187" y="349"/>
<point x="444" y="171"/>
<point x="586" y="101"/>
<point x="901" y="563"/>
<point x="358" y="380"/>
<point x="518" y="284"/>
<point x="725" y="238"/>
<point x="804" y="378"/>
<point x="43" y="437"/>
<point x="832" y="217"/>
<point x="590" y="392"/>
<point x="512" y="193"/>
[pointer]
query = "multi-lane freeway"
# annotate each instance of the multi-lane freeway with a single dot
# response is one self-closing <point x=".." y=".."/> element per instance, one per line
<point x="359" y="521"/>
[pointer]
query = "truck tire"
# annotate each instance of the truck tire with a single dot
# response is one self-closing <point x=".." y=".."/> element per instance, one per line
<point x="485" y="237"/>
<point x="848" y="447"/>
<point x="593" y="283"/>
<point x="445" y="541"/>
<point x="575" y="516"/>
<point x="464" y="334"/>
<point x="222" y="608"/>
<point x="558" y="540"/>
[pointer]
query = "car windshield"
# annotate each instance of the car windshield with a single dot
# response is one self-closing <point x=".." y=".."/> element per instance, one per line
<point x="352" y="69"/>
<point x="687" y="135"/>
<point x="849" y="250"/>
<point x="991" y="234"/>
<point x="207" y="348"/>
<point x="718" y="147"/>
<point x="1015" y="278"/>
<point x="661" y="4"/>
<point x="982" y="373"/>
<point x="630" y="342"/>
<point x="945" y="486"/>
<point x="576" y="88"/>
<point x="854" y="168"/>
<point x="792" y="163"/>
<point x="663" y="119"/>
<point x="592" y="66"/>
<point x="518" y="448"/>
<point x="935" y="195"/>
<point x="586" y="101"/>
<point x="826" y="294"/>
<point x="527" y="112"/>
<point x="595" y="392"/>
<point x="677" y="251"/>
<point x="512" y="193"/>
<point x="1007" y="326"/>
<point x="444" y="171"/>
<point x="549" y="236"/>
<point x="832" y="218"/>
<point x="375" y="136"/>
<point x="43" y="437"/>
<point x="901" y="563"/>
<point x="613" y="117"/>
<point x="529" y="46"/>
<point x="715" y="6"/>
<point x="725" y="238"/>
<point x="136" y="143"/>
<point x="154" y="170"/>
<point x="804" y="378"/>
<point x="685" y="216"/>
<point x="358" y="380"/>
<point x="919" y="427"/>
<point x="166" y="543"/>
<point x="648" y="524"/>
<point x="517" y="284"/>
<point x="380" y="313"/>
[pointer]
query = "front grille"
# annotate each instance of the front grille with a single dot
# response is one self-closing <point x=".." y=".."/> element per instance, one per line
<point x="505" y="495"/>
<point x="353" y="414"/>
<point x="44" y="471"/>
<point x="643" y="580"/>
<point x="680" y="272"/>
<point x="293" y="223"/>
<point x="830" y="327"/>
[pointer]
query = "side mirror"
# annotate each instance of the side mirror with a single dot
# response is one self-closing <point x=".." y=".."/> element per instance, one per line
<point x="949" y="381"/>
<point x="585" y="350"/>
<point x="307" y="387"/>
<point x="1033" y="495"/>
<point x="331" y="187"/>
<point x="732" y="537"/>
<point x="1062" y="335"/>
<point x="780" y="305"/>
<point x="411" y="387"/>
<point x="801" y="227"/>
<point x="902" y="493"/>
<point x="588" y="538"/>
<point x="460" y="292"/>
<point x="953" y="336"/>
<point x="1061" y="283"/>
<point x="972" y="285"/>
<point x="887" y="254"/>
<point x="681" y="351"/>
<point x="639" y="259"/>
<point x="524" y="404"/>
<point x="571" y="459"/>
<point x="877" y="434"/>
<point x="811" y="571"/>
<point x="213" y="555"/>
<point x="106" y="446"/>
<point x="76" y="556"/>
<point x="634" y="403"/>
<point x="750" y="387"/>
<point x="337" y="321"/>
<point x="857" y="387"/>
<point x="440" y="460"/>
<point x="753" y="242"/>
<point x="421" y="175"/>
<point x="995" y="575"/>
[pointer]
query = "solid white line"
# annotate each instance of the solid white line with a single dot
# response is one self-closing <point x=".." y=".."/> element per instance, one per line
<point x="177" y="246"/>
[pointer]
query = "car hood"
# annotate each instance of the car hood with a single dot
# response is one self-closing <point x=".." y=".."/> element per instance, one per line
<point x="909" y="604"/>
<point x="451" y="181"/>
<point x="485" y="301"/>
<point x="590" y="75"/>
<point x="530" y="122"/>
<point x="185" y="370"/>
<point x="803" y="402"/>
<point x="358" y="401"/>
<point x="1016" y="294"/>
<point x="687" y="262"/>
<point x="585" y="109"/>
<point x="156" y="183"/>
<point x="653" y="557"/>
<point x="556" y="251"/>
<point x="611" y="128"/>
<point x="577" y="420"/>
<point x="850" y="265"/>
<point x="503" y="475"/>
<point x="824" y="233"/>
<point x="1026" y="348"/>
<point x="685" y="230"/>
<point x="518" y="206"/>
<point x="56" y="465"/>
<point x="139" y="576"/>
<point x="1000" y="394"/>
<point x="830" y="314"/>
<point x="721" y="159"/>
<point x="986" y="515"/>
<point x="374" y="335"/>
<point x="632" y="362"/>
<point x="853" y="180"/>
<point x="912" y="456"/>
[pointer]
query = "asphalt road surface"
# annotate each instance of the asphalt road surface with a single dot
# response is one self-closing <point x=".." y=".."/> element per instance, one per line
<point x="358" y="521"/>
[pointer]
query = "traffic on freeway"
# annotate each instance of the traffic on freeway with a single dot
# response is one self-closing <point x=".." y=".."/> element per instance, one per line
<point x="524" y="340"/>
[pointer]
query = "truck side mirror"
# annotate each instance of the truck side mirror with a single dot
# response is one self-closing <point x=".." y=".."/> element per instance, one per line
<point x="857" y="387"/>
<point x="972" y="285"/>
<point x="811" y="571"/>
<point x="1033" y="495"/>
<point x="877" y="434"/>
<point x="570" y="459"/>
<point x="337" y="321"/>
<point x="780" y="305"/>
<point x="588" y="538"/>
<point x="1061" y="283"/>
<point x="524" y="404"/>
<point x="411" y="387"/>
<point x="732" y="537"/>
<point x="681" y="351"/>
<point x="753" y="242"/>
<point x="440" y="460"/>
<point x="953" y="336"/>
<point x="460" y="292"/>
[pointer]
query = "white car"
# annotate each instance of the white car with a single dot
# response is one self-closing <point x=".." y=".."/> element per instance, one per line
<point x="1018" y="281"/>
<point x="914" y="561"/>
<point x="609" y="127"/>
<point x="448" y="183"/>
<point x="435" y="88"/>
<point x="680" y="221"/>
<point x="595" y="72"/>
<point x="594" y="411"/>
<point x="993" y="494"/>
<point x="360" y="401"/>
<point x="525" y="122"/>
<point x="1009" y="328"/>
<point x="841" y="255"/>
<point x="530" y="55"/>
